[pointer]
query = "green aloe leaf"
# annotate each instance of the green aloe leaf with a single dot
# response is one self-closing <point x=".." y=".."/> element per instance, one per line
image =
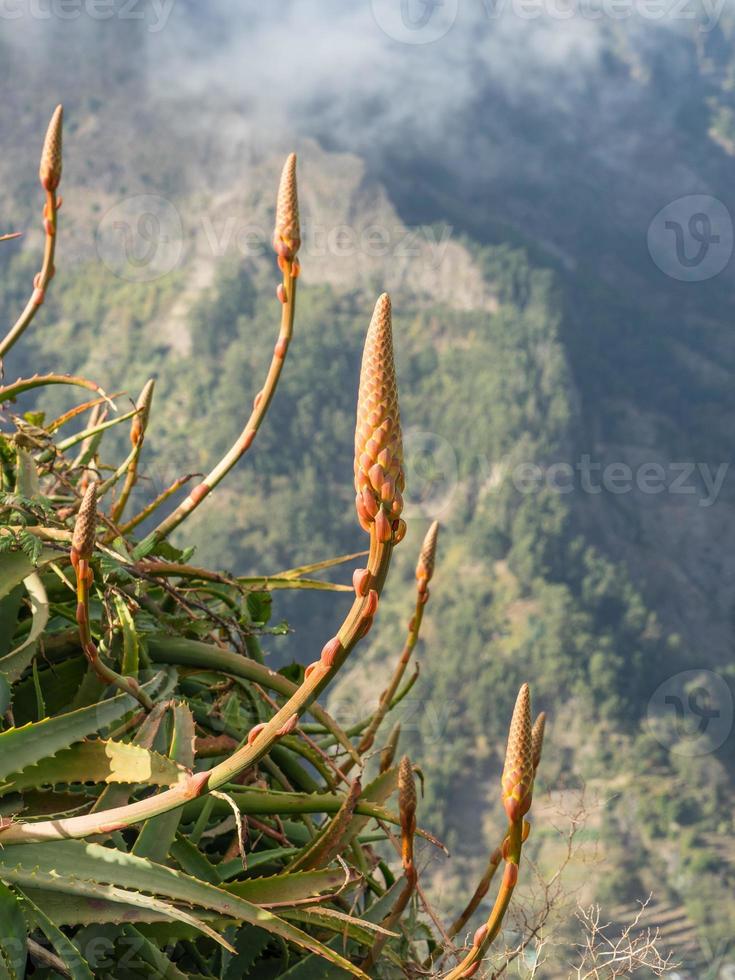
<point x="13" y="935"/>
<point x="148" y="954"/>
<point x="131" y="645"/>
<point x="193" y="862"/>
<point x="15" y="662"/>
<point x="66" y="909"/>
<point x="99" y="761"/>
<point x="9" y="609"/>
<point x="15" y="566"/>
<point x="106" y="872"/>
<point x="311" y="969"/>
<point x="66" y="951"/>
<point x="158" y="834"/>
<point x="250" y="943"/>
<point x="361" y="930"/>
<point x="285" y="889"/>
<point x="23" y="747"/>
<point x="73" y="885"/>
<point x="26" y="475"/>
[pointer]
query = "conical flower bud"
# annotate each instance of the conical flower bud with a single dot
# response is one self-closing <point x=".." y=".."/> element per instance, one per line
<point x="379" y="478"/>
<point x="50" y="169"/>
<point x="517" y="781"/>
<point x="425" y="565"/>
<point x="287" y="233"/>
<point x="407" y="810"/>
<point x="143" y="405"/>
<point x="406" y="796"/>
<point x="82" y="541"/>
<point x="537" y="739"/>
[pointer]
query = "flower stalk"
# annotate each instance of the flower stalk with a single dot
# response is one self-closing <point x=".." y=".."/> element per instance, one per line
<point x="377" y="374"/>
<point x="286" y="241"/>
<point x="407" y="814"/>
<point x="50" y="177"/>
<point x="517" y="792"/>
<point x="424" y="572"/>
<point x="137" y="435"/>
<point x="82" y="550"/>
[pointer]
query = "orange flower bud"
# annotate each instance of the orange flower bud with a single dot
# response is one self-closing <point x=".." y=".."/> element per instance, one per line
<point x="49" y="171"/>
<point x="287" y="233"/>
<point x="427" y="558"/>
<point x="517" y="780"/>
<point x="378" y="444"/>
<point x="82" y="541"/>
<point x="143" y="405"/>
<point x="406" y="796"/>
<point x="537" y="738"/>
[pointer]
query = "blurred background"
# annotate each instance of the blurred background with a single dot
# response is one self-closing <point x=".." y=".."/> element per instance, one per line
<point x="545" y="187"/>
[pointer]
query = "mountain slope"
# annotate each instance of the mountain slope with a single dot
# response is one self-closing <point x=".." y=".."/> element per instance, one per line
<point x="534" y="330"/>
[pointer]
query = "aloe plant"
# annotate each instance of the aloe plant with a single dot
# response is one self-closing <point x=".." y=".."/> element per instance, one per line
<point x="162" y="794"/>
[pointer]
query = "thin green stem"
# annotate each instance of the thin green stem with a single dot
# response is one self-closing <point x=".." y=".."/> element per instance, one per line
<point x="386" y="698"/>
<point x="78" y="437"/>
<point x="11" y="391"/>
<point x="128" y="685"/>
<point x="155" y="504"/>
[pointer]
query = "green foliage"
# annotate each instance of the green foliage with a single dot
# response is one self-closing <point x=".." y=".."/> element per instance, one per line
<point x="71" y="745"/>
<point x="132" y="680"/>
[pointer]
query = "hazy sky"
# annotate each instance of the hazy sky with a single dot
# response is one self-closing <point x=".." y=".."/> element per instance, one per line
<point x="350" y="69"/>
<point x="489" y="94"/>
